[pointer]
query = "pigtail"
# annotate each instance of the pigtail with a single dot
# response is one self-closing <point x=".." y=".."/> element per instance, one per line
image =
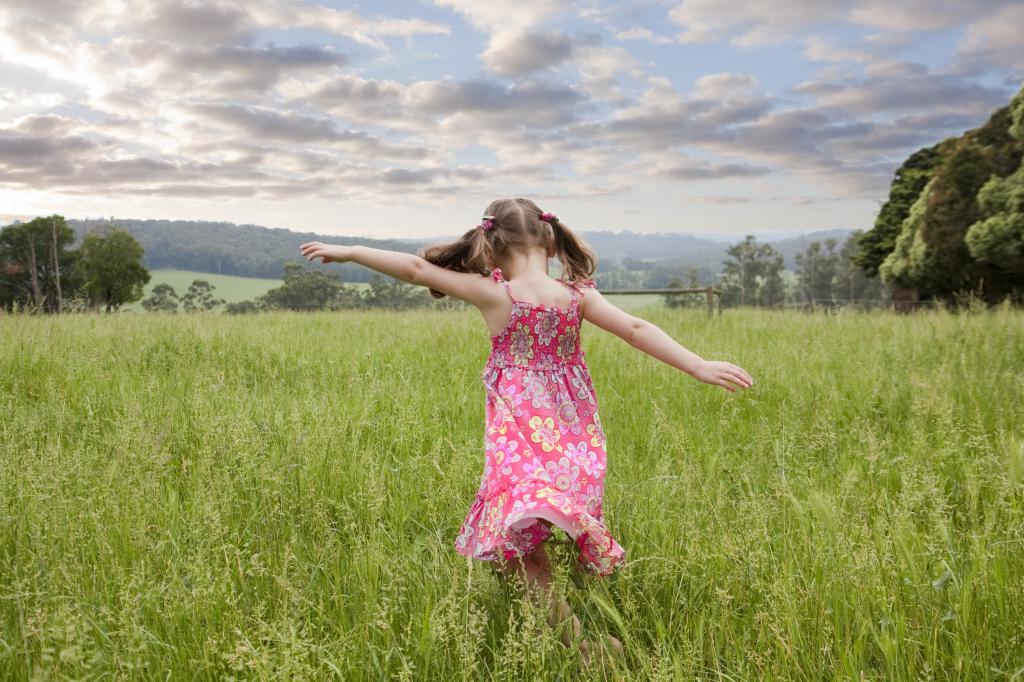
<point x="466" y="254"/>
<point x="578" y="260"/>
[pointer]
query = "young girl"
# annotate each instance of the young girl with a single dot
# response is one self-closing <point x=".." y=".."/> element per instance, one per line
<point x="544" y="446"/>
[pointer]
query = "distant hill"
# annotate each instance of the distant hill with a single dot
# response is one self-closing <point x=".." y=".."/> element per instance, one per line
<point x="257" y="251"/>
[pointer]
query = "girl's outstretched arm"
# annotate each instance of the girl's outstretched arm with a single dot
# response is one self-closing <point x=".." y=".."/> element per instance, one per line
<point x="652" y="340"/>
<point x="408" y="268"/>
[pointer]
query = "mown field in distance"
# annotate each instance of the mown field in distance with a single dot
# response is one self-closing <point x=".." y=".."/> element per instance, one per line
<point x="233" y="289"/>
<point x="276" y="496"/>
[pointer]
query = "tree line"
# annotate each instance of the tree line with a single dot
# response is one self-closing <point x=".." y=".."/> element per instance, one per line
<point x="754" y="274"/>
<point x="40" y="273"/>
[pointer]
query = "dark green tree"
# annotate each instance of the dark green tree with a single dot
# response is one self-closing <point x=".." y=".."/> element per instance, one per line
<point x="162" y="299"/>
<point x="911" y="177"/>
<point x="242" y="307"/>
<point x="931" y="255"/>
<point x="305" y="289"/>
<point x="110" y="268"/>
<point x="997" y="240"/>
<point x="35" y="265"/>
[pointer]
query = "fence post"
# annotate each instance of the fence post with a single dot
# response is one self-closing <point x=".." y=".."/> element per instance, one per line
<point x="707" y="293"/>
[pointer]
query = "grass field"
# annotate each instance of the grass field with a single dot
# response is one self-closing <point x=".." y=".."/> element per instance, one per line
<point x="276" y="496"/>
<point x="229" y="287"/>
<point x="233" y="289"/>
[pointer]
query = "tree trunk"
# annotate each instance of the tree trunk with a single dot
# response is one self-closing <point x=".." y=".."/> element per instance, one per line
<point x="33" y="273"/>
<point x="56" y="265"/>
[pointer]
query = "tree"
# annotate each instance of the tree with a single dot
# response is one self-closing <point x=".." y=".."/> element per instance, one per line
<point x="35" y="263"/>
<point x="744" y="275"/>
<point x="675" y="300"/>
<point x="200" y="297"/>
<point x="305" y="289"/>
<point x="387" y="292"/>
<point x="878" y="242"/>
<point x="852" y="282"/>
<point x="931" y="254"/>
<point x="817" y="270"/>
<point x="242" y="307"/>
<point x="997" y="239"/>
<point x="110" y="266"/>
<point x="771" y="291"/>
<point x="162" y="299"/>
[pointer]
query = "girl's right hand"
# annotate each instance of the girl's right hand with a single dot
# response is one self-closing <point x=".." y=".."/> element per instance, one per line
<point x="722" y="373"/>
<point x="327" y="253"/>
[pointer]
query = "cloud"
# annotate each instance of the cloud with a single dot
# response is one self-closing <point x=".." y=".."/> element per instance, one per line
<point x="640" y="33"/>
<point x="520" y="53"/>
<point x="271" y="125"/>
<point x="714" y="171"/>
<point x="995" y="39"/>
<point x="903" y="86"/>
<point x="769" y="22"/>
<point x="224" y="69"/>
<point x="917" y="15"/>
<point x="497" y="16"/>
<point x="271" y="100"/>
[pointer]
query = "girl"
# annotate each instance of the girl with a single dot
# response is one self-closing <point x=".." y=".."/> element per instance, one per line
<point x="544" y="446"/>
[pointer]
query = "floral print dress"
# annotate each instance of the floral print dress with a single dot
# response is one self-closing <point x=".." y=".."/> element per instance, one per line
<point x="544" y="448"/>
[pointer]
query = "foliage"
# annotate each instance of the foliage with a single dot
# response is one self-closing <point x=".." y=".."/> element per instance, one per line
<point x="110" y="267"/>
<point x="818" y="269"/>
<point x="276" y="498"/>
<point x="930" y="254"/>
<point x="997" y="239"/>
<point x="242" y="307"/>
<point x="162" y="299"/>
<point x="753" y="276"/>
<point x="876" y="244"/>
<point x="200" y="297"/>
<point x="305" y="289"/>
<point x="387" y="292"/>
<point x="229" y="249"/>
<point x="27" y="274"/>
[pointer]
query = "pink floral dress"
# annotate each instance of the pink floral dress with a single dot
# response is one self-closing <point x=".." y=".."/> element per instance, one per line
<point x="544" y="448"/>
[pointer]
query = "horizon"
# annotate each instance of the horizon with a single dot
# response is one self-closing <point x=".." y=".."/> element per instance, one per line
<point x="652" y="117"/>
<point x="6" y="219"/>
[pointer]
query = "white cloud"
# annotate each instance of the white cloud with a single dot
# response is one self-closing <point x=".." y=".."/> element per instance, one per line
<point x="516" y="53"/>
<point x="640" y="33"/>
<point x="496" y="16"/>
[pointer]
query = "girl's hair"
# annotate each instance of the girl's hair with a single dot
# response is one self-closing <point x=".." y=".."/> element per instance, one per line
<point x="516" y="224"/>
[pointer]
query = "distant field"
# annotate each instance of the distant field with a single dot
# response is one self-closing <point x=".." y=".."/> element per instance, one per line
<point x="233" y="289"/>
<point x="276" y="497"/>
<point x="228" y="287"/>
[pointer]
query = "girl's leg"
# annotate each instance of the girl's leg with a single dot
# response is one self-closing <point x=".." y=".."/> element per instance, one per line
<point x="535" y="571"/>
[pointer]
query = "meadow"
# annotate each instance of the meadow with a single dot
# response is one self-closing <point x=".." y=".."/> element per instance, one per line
<point x="276" y="496"/>
<point x="229" y="287"/>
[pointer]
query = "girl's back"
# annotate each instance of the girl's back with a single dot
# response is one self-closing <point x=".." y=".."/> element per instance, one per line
<point x="544" y="454"/>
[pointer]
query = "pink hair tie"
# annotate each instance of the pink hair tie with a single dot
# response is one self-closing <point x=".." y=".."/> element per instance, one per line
<point x="487" y="222"/>
<point x="548" y="217"/>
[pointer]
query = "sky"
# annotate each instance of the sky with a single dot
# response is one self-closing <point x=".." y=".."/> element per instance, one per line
<point x="405" y="119"/>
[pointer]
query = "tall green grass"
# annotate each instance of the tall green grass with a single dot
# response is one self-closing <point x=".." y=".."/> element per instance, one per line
<point x="276" y="496"/>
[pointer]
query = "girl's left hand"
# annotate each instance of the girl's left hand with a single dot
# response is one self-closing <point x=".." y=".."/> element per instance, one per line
<point x="724" y="374"/>
<point x="327" y="253"/>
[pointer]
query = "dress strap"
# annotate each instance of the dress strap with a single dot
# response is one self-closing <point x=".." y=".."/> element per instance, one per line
<point x="574" y="287"/>
<point x="574" y="293"/>
<point x="498" y="277"/>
